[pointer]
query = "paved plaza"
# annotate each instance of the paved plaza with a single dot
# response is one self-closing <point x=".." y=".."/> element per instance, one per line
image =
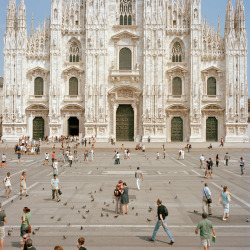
<point x="178" y="183"/>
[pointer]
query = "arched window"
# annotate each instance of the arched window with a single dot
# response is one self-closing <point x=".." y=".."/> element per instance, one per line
<point x="38" y="88"/>
<point x="177" y="86"/>
<point x="73" y="86"/>
<point x="176" y="53"/>
<point x="74" y="52"/>
<point x="211" y="86"/>
<point x="125" y="12"/>
<point x="125" y="59"/>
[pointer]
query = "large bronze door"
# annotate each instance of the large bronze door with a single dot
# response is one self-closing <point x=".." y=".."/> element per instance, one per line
<point x="73" y="126"/>
<point x="38" y="128"/>
<point x="177" y="129"/>
<point x="125" y="123"/>
<point x="212" y="129"/>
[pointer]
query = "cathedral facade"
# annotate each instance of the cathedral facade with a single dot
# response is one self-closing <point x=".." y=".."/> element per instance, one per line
<point x="126" y="69"/>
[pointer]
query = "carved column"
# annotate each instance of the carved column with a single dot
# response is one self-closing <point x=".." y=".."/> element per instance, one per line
<point x="134" y="106"/>
<point x="115" y="106"/>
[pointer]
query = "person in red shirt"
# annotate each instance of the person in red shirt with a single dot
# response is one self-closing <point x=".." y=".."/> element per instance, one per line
<point x="53" y="157"/>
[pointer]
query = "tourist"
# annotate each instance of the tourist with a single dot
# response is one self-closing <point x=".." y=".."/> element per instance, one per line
<point x="81" y="242"/>
<point x="208" y="170"/>
<point x="25" y="221"/>
<point x="182" y="154"/>
<point x="128" y="154"/>
<point x="225" y="198"/>
<point x="7" y="185"/>
<point x="242" y="165"/>
<point x="117" y="194"/>
<point x="217" y="160"/>
<point x="58" y="248"/>
<point x="227" y="158"/>
<point x="157" y="156"/>
<point x="164" y="153"/>
<point x="139" y="178"/>
<point x="149" y="138"/>
<point x="85" y="142"/>
<point x="46" y="159"/>
<point x="3" y="219"/>
<point x="162" y="213"/>
<point x="144" y="149"/>
<point x="75" y="153"/>
<point x="221" y="142"/>
<point x="202" y="160"/>
<point x="92" y="154"/>
<point x="179" y="154"/>
<point x="206" y="200"/>
<point x="55" y="187"/>
<point x="55" y="167"/>
<point x="23" y="241"/>
<point x="19" y="156"/>
<point x="70" y="158"/>
<point x="53" y="157"/>
<point x="23" y="184"/>
<point x="117" y="159"/>
<point x="86" y="156"/>
<point x="206" y="228"/>
<point x="29" y="244"/>
<point x="4" y="159"/>
<point x="124" y="198"/>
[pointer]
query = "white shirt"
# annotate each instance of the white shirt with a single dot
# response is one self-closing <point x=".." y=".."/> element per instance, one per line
<point x="70" y="157"/>
<point x="3" y="157"/>
<point x="138" y="174"/>
<point x="7" y="181"/>
<point x="55" y="165"/>
<point x="202" y="158"/>
<point x="46" y="156"/>
<point x="117" y="156"/>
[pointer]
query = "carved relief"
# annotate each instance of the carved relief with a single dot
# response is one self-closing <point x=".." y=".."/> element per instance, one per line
<point x="125" y="93"/>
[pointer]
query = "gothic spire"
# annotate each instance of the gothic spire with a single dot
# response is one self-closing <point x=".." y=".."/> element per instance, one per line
<point x="229" y="22"/>
<point x="32" y="25"/>
<point x="11" y="14"/>
<point x="239" y="17"/>
<point x="22" y="15"/>
<point x="218" y="32"/>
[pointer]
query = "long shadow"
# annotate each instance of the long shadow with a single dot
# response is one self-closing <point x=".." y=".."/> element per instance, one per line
<point x="145" y="238"/>
<point x="108" y="210"/>
<point x="209" y="216"/>
<point x="16" y="244"/>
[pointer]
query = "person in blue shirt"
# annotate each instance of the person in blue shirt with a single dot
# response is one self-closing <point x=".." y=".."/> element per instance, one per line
<point x="55" y="187"/>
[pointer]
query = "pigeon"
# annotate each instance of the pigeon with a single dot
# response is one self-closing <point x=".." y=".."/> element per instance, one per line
<point x="52" y="217"/>
<point x="176" y="197"/>
<point x="92" y="196"/>
<point x="75" y="187"/>
<point x="101" y="214"/>
<point x="107" y="215"/>
<point x="79" y="211"/>
<point x="68" y="224"/>
<point x="20" y="198"/>
<point x="92" y="200"/>
<point x="90" y="193"/>
<point x="107" y="205"/>
<point x="150" y="189"/>
<point x="81" y="228"/>
<point x="136" y="214"/>
<point x="116" y="216"/>
<point x="9" y="233"/>
<point x="148" y="220"/>
<point x="95" y="192"/>
<point x="33" y="233"/>
<point x="64" y="237"/>
<point x="84" y="206"/>
<point x="170" y="182"/>
<point x="195" y="211"/>
<point x="11" y="201"/>
<point x="65" y="204"/>
<point x="43" y="188"/>
<point x="72" y="208"/>
<point x="104" y="203"/>
<point x="150" y="208"/>
<point x="103" y="209"/>
<point x="59" y="219"/>
<point x="247" y="220"/>
<point x="37" y="229"/>
<point x="133" y="208"/>
<point x="87" y="211"/>
<point x="83" y="217"/>
<point x="100" y="190"/>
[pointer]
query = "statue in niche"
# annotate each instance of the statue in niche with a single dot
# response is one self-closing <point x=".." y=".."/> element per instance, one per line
<point x="137" y="66"/>
<point x="112" y="65"/>
<point x="55" y="14"/>
<point x="195" y="42"/>
<point x="148" y="42"/>
<point x="159" y="42"/>
<point x="195" y="14"/>
<point x="147" y="112"/>
<point x="101" y="42"/>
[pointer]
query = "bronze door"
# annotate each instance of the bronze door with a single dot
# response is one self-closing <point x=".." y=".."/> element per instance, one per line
<point x="73" y="126"/>
<point x="38" y="128"/>
<point x="212" y="129"/>
<point x="125" y="123"/>
<point x="177" y="129"/>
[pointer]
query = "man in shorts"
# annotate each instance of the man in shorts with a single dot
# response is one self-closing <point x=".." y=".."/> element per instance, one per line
<point x="206" y="229"/>
<point x="7" y="185"/>
<point x="139" y="178"/>
<point x="4" y="160"/>
<point x="3" y="219"/>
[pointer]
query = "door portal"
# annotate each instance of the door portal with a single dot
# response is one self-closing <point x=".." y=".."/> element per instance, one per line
<point x="212" y="129"/>
<point x="125" y="123"/>
<point x="38" y="128"/>
<point x="177" y="129"/>
<point x="73" y="126"/>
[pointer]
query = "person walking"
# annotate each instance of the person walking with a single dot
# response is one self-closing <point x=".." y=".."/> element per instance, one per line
<point x="70" y="158"/>
<point x="157" y="156"/>
<point x="221" y="142"/>
<point x="7" y="185"/>
<point x="3" y="219"/>
<point x="46" y="159"/>
<point x="208" y="170"/>
<point x="227" y="158"/>
<point x="25" y="221"/>
<point x="53" y="156"/>
<point x="117" y="194"/>
<point x="4" y="159"/>
<point x="206" y="229"/>
<point x="92" y="154"/>
<point x="139" y="178"/>
<point x="206" y="201"/>
<point x="124" y="198"/>
<point x="55" y="187"/>
<point x="202" y="160"/>
<point x="164" y="153"/>
<point x="149" y="138"/>
<point x="225" y="198"/>
<point x="217" y="160"/>
<point x="162" y="213"/>
<point x="81" y="242"/>
<point x="117" y="158"/>
<point x="23" y="184"/>
<point x="242" y="165"/>
<point x="19" y="156"/>
<point x="55" y="167"/>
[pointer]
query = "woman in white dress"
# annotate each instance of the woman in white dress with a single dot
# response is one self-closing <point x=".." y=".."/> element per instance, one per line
<point x="23" y="184"/>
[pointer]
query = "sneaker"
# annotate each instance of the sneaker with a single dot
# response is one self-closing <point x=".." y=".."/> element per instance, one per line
<point x="171" y="242"/>
<point x="150" y="239"/>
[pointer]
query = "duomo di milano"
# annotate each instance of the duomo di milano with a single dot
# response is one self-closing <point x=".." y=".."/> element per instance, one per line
<point x="127" y="69"/>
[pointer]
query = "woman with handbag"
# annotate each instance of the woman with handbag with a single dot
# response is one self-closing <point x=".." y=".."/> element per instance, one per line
<point x="25" y="226"/>
<point x="225" y="198"/>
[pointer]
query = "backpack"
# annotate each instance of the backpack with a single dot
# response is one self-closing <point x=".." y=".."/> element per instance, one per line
<point x="165" y="210"/>
<point x="117" y="192"/>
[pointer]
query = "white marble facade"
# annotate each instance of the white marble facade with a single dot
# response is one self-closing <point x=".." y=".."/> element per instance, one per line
<point x="158" y="56"/>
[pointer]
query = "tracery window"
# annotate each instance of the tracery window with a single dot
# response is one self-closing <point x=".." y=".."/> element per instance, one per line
<point x="177" y="54"/>
<point x="73" y="86"/>
<point x="125" y="12"/>
<point x="177" y="86"/>
<point x="211" y="86"/>
<point x="74" y="52"/>
<point x="125" y="59"/>
<point x="38" y="86"/>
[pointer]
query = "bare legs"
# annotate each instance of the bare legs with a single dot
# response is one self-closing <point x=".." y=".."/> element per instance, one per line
<point x="123" y="209"/>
